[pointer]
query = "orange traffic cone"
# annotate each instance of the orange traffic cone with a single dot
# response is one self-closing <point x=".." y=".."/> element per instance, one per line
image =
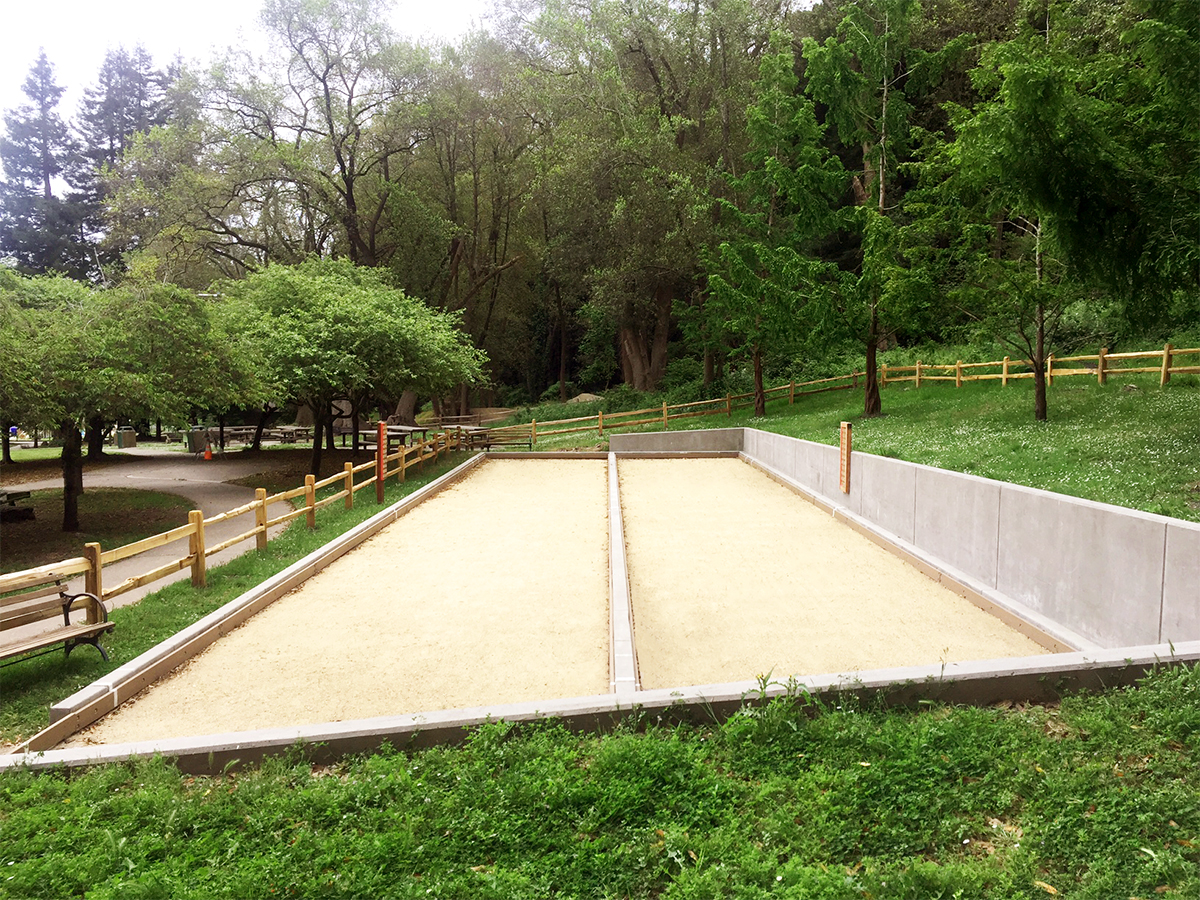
<point x="208" y="451"/>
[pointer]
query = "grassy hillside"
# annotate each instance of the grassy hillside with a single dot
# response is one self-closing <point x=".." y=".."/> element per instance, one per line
<point x="1131" y="442"/>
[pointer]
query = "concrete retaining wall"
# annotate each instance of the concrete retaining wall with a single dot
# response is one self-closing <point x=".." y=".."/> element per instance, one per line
<point x="1105" y="575"/>
<point x="728" y="439"/>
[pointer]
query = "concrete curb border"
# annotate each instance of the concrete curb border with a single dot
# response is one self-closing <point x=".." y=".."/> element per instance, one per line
<point x="1034" y="679"/>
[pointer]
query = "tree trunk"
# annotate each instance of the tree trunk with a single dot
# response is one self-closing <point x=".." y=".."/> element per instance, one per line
<point x="314" y="460"/>
<point x="406" y="409"/>
<point x="760" y="395"/>
<point x="710" y="369"/>
<point x="644" y="345"/>
<point x="264" y="416"/>
<point x="5" y="442"/>
<point x="1040" y="410"/>
<point x="562" y="345"/>
<point x="95" y="438"/>
<point x="872" y="403"/>
<point x="72" y="469"/>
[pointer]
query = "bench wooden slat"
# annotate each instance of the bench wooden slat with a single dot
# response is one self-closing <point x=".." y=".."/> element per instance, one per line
<point x="50" y="638"/>
<point x="15" y="581"/>
<point x="22" y="596"/>
<point x="37" y="609"/>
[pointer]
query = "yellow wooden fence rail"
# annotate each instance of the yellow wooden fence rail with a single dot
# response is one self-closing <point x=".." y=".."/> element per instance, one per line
<point x="91" y="564"/>
<point x="662" y="415"/>
<point x="1098" y="366"/>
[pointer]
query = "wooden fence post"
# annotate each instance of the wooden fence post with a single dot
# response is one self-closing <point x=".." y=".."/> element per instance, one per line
<point x="349" y="485"/>
<point x="664" y="415"/>
<point x="93" y="578"/>
<point x="1166" y="366"/>
<point x="1050" y="369"/>
<point x="1101" y="375"/>
<point x="883" y="379"/>
<point x="600" y="423"/>
<point x="1004" y="374"/>
<point x="533" y="432"/>
<point x="791" y="393"/>
<point x="958" y="374"/>
<point x="260" y="518"/>
<point x="310" y="499"/>
<point x="918" y="379"/>
<point x="196" y="548"/>
<point x="728" y="406"/>
<point x="380" y="453"/>
<point x="403" y="463"/>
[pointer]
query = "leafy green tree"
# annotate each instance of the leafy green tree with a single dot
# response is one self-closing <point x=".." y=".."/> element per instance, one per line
<point x="762" y="277"/>
<point x="865" y="76"/>
<point x="123" y="353"/>
<point x="326" y="331"/>
<point x="1103" y="145"/>
<point x="40" y="230"/>
<point x="128" y="98"/>
<point x="1081" y="163"/>
<point x="648" y="100"/>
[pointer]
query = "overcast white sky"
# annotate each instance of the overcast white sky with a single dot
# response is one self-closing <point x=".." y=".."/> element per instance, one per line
<point x="76" y="33"/>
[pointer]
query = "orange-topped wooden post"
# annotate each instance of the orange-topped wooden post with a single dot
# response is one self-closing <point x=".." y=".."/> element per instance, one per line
<point x="844" y="462"/>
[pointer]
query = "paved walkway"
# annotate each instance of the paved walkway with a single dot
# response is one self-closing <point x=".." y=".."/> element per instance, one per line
<point x="204" y="482"/>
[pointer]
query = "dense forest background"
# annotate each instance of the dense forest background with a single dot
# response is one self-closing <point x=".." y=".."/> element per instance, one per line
<point x="666" y="195"/>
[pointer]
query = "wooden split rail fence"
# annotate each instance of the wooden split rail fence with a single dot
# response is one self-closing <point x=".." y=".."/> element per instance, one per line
<point x="666" y="413"/>
<point x="1098" y="366"/>
<point x="387" y="464"/>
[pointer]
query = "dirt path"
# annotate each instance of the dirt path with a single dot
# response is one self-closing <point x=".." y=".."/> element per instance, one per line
<point x="733" y="576"/>
<point x="494" y="591"/>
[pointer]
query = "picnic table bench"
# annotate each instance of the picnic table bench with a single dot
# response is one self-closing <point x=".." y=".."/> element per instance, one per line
<point x="8" y="505"/>
<point x="45" y="597"/>
<point x="448" y="423"/>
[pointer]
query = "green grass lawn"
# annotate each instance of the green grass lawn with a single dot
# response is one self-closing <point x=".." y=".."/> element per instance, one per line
<point x="1098" y="798"/>
<point x="112" y="516"/>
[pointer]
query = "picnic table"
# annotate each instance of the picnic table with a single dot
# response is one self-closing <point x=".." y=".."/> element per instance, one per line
<point x="293" y="434"/>
<point x="401" y="433"/>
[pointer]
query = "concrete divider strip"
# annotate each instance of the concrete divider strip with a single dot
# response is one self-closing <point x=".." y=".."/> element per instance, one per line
<point x="622" y="650"/>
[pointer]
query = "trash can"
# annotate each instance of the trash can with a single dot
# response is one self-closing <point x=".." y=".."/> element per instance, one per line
<point x="197" y="440"/>
<point x="126" y="437"/>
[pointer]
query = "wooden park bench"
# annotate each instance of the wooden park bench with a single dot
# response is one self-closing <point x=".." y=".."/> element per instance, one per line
<point x="47" y="598"/>
<point x="509" y="436"/>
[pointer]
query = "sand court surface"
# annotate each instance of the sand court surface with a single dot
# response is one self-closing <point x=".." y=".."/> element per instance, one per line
<point x="733" y="576"/>
<point x="493" y="591"/>
<point x="496" y="591"/>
